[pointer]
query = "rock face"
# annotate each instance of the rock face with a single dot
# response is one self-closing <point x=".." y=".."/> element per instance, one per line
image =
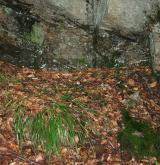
<point x="129" y="17"/>
<point x="27" y="40"/>
<point x="155" y="46"/>
<point x="74" y="33"/>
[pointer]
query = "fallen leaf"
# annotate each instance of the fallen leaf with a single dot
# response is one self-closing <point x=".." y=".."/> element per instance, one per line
<point x="13" y="163"/>
<point x="92" y="162"/>
<point x="39" y="158"/>
<point x="153" y="84"/>
<point x="131" y="82"/>
<point x="135" y="88"/>
<point x="66" y="75"/>
<point x="64" y="151"/>
<point x="76" y="139"/>
<point x="104" y="142"/>
<point x="3" y="149"/>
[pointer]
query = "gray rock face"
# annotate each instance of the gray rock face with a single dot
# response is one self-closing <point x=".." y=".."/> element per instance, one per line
<point x="78" y="9"/>
<point x="27" y="42"/>
<point x="57" y="33"/>
<point x="155" y="46"/>
<point x="128" y="17"/>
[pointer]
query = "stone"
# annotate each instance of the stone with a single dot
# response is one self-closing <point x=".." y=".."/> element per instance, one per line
<point x="51" y="10"/>
<point x="113" y="50"/>
<point x="78" y="9"/>
<point x="78" y="33"/>
<point x="136" y="53"/>
<point x="155" y="46"/>
<point x="26" y="41"/>
<point x="68" y="46"/>
<point x="128" y="17"/>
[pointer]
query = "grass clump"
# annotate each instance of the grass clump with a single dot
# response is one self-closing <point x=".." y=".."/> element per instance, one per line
<point x="56" y="126"/>
<point x="138" y="138"/>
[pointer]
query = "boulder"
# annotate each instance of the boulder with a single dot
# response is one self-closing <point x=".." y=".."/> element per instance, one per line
<point x="26" y="40"/>
<point x="79" y="12"/>
<point x="60" y="33"/>
<point x="155" y="46"/>
<point x="128" y="17"/>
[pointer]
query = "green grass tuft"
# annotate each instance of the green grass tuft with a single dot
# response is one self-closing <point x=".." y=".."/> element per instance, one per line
<point x="56" y="126"/>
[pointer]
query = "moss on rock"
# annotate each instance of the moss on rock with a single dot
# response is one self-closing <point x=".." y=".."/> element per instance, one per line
<point x="37" y="34"/>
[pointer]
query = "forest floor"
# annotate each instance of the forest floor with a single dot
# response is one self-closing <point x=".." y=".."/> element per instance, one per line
<point x="107" y="91"/>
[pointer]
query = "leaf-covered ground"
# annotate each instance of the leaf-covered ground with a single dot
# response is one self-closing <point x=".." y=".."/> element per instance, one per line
<point x="107" y="91"/>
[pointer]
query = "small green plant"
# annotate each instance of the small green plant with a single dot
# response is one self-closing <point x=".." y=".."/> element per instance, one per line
<point x="155" y="75"/>
<point x="82" y="106"/>
<point x="6" y="79"/>
<point x="138" y="138"/>
<point x="56" y="126"/>
<point x="3" y="80"/>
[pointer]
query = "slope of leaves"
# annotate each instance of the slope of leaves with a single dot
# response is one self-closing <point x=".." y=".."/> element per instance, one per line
<point x="104" y="90"/>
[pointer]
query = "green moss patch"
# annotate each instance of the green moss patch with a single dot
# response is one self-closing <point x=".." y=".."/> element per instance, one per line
<point x="37" y="34"/>
<point x="138" y="138"/>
